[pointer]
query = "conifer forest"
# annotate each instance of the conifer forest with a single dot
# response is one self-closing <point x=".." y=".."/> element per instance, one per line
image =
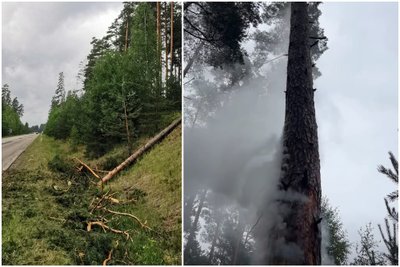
<point x="101" y="184"/>
<point x="252" y="154"/>
<point x="199" y="133"/>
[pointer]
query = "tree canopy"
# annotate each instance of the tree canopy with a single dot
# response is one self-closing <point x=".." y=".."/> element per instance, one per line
<point x="124" y="96"/>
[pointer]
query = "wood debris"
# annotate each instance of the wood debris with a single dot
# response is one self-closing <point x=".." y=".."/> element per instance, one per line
<point x="105" y="227"/>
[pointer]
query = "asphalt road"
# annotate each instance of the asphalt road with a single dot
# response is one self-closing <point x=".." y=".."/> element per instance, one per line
<point x="13" y="146"/>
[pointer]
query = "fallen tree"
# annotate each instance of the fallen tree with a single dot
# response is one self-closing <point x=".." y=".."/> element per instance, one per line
<point x="142" y="150"/>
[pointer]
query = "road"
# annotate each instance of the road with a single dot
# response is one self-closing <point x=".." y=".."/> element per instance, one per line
<point x="13" y="146"/>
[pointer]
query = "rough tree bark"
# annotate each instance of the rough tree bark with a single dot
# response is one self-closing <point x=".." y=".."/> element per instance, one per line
<point x="159" y="44"/>
<point x="300" y="177"/>
<point x="172" y="38"/>
<point x="166" y="42"/>
<point x="158" y="29"/>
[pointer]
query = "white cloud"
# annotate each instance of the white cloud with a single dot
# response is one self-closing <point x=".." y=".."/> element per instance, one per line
<point x="42" y="39"/>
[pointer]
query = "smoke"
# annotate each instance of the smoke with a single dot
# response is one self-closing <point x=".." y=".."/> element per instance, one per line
<point x="326" y="259"/>
<point x="237" y="150"/>
<point x="234" y="153"/>
<point x="233" y="144"/>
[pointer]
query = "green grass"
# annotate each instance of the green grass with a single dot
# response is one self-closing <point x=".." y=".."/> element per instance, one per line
<point x="46" y="204"/>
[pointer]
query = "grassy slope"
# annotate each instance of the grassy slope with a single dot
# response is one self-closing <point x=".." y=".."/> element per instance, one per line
<point x="45" y="212"/>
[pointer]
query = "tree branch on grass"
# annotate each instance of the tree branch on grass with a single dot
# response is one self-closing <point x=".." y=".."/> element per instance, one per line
<point x="129" y="215"/>
<point x="105" y="227"/>
<point x="108" y="258"/>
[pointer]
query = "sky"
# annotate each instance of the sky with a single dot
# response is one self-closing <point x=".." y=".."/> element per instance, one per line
<point x="357" y="109"/>
<point x="356" y="97"/>
<point x="40" y="40"/>
<point x="357" y="113"/>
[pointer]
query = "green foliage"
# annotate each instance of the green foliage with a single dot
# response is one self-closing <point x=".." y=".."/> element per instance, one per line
<point x="224" y="42"/>
<point x="367" y="250"/>
<point x="123" y="98"/>
<point x="74" y="137"/>
<point x="390" y="239"/>
<point x="63" y="117"/>
<point x="59" y="96"/>
<point x="46" y="208"/>
<point x="60" y="164"/>
<point x="12" y="112"/>
<point x="339" y="244"/>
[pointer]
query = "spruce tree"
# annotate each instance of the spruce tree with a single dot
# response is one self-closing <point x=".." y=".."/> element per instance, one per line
<point x="59" y="96"/>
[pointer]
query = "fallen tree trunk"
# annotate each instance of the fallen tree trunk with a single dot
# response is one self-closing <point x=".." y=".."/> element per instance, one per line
<point x="142" y="150"/>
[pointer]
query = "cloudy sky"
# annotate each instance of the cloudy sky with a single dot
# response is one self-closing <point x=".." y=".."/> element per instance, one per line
<point x="39" y="40"/>
<point x="356" y="95"/>
<point x="357" y="111"/>
<point x="356" y="104"/>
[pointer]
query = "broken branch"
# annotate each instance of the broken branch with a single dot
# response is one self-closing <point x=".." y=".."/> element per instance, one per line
<point x="108" y="258"/>
<point x="99" y="202"/>
<point x="104" y="226"/>
<point x="129" y="215"/>
<point x="88" y="168"/>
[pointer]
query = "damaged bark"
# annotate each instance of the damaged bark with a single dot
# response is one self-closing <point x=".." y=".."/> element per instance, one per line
<point x="297" y="240"/>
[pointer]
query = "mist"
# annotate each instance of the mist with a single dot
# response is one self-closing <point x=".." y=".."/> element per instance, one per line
<point x="233" y="148"/>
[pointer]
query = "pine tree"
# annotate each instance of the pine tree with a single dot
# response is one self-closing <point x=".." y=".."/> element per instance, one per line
<point x="17" y="107"/>
<point x="390" y="239"/>
<point x="191" y="248"/>
<point x="6" y="95"/>
<point x="300" y="167"/>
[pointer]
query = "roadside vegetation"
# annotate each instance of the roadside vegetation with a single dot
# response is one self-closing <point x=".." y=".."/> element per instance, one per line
<point x="55" y="209"/>
<point x="49" y="202"/>
<point x="131" y="82"/>
<point x="12" y="112"/>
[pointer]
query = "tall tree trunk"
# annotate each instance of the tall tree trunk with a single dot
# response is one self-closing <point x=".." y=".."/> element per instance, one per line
<point x="159" y="43"/>
<point x="300" y="180"/>
<point x="192" y="59"/>
<point x="158" y="27"/>
<point x="126" y="34"/>
<point x="188" y="211"/>
<point x="166" y="42"/>
<point x="214" y="242"/>
<point x="127" y="129"/>
<point x="172" y="38"/>
<point x="239" y="237"/>
<point x="193" y="228"/>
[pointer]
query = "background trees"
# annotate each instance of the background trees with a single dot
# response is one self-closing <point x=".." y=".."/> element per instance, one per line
<point x="12" y="112"/>
<point x="390" y="238"/>
<point x="336" y="244"/>
<point x="127" y="92"/>
<point x="242" y="67"/>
